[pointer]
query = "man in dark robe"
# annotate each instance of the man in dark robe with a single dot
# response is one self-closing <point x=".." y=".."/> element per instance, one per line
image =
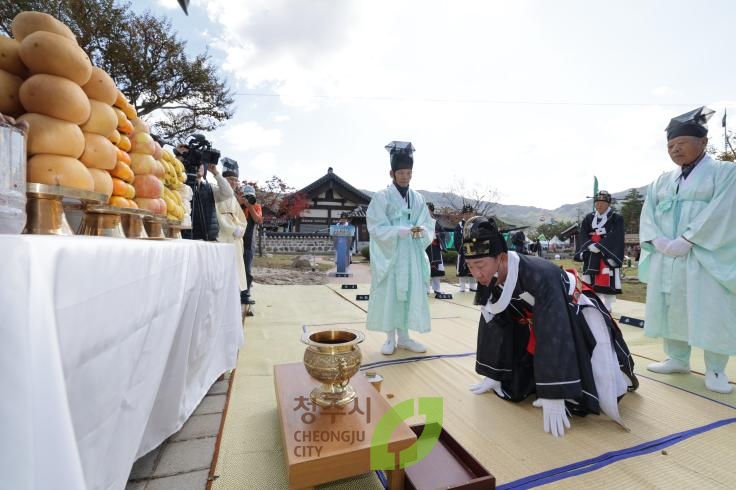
<point x="434" y="253"/>
<point x="543" y="331"/>
<point x="464" y="277"/>
<point x="600" y="247"/>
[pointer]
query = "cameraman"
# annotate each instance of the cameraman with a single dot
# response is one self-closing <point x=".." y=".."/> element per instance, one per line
<point x="246" y="196"/>
<point x="204" y="214"/>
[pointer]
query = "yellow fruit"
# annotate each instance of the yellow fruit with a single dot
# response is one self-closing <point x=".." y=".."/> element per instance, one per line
<point x="56" y="97"/>
<point x="46" y="52"/>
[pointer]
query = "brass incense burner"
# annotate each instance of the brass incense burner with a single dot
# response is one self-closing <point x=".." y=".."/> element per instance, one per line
<point x="332" y="357"/>
<point x="416" y="232"/>
<point x="45" y="207"/>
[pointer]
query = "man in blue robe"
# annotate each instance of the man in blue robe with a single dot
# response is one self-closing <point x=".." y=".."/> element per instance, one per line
<point x="688" y="252"/>
<point x="400" y="228"/>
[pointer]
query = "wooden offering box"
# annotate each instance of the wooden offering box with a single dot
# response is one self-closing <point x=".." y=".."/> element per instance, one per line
<point x="448" y="465"/>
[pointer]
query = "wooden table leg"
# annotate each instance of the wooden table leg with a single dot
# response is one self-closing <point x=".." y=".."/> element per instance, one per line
<point x="395" y="479"/>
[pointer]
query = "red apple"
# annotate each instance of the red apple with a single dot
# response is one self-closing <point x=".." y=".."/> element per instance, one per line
<point x="142" y="142"/>
<point x="148" y="186"/>
<point x="142" y="164"/>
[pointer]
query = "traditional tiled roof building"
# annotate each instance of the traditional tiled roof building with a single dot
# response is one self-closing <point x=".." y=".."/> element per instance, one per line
<point x="329" y="196"/>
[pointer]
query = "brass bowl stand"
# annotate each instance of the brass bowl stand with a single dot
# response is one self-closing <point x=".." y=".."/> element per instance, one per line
<point x="45" y="208"/>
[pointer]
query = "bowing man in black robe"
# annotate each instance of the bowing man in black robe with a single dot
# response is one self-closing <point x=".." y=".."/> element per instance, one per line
<point x="543" y="331"/>
<point x="600" y="247"/>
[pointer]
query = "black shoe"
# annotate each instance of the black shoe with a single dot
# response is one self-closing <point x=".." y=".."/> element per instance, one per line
<point x="249" y="313"/>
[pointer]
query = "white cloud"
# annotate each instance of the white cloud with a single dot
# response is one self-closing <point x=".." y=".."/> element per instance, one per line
<point x="663" y="91"/>
<point x="168" y="4"/>
<point x="249" y="135"/>
<point x="353" y="75"/>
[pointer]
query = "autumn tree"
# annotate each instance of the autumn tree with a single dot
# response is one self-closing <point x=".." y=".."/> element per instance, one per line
<point x="279" y="200"/>
<point x="631" y="211"/>
<point x="142" y="53"/>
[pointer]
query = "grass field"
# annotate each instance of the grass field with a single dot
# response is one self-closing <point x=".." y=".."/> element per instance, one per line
<point x="633" y="290"/>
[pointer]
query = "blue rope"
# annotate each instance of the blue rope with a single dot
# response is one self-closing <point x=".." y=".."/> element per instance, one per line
<point x="382" y="478"/>
<point x="592" y="464"/>
<point x="405" y="360"/>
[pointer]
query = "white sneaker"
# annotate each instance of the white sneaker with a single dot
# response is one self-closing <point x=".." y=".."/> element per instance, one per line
<point x="412" y="345"/>
<point x="389" y="347"/>
<point x="669" y="366"/>
<point x="462" y="288"/>
<point x="717" y="382"/>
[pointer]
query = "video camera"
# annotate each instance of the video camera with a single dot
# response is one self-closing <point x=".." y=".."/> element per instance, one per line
<point x="200" y="153"/>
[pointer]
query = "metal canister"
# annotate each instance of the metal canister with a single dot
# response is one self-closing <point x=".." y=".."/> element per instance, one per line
<point x="12" y="179"/>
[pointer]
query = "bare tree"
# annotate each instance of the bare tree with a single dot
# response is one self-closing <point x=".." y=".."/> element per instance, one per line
<point x="460" y="194"/>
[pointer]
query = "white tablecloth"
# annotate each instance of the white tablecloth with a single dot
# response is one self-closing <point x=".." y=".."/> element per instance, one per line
<point x="107" y="346"/>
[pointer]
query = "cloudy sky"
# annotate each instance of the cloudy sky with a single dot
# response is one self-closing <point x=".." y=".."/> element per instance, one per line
<point x="525" y="99"/>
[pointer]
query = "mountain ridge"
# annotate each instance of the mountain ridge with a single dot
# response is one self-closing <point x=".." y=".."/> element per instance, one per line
<point x="528" y="215"/>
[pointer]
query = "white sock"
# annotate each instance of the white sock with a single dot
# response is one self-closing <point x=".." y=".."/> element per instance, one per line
<point x="436" y="284"/>
<point x="391" y="335"/>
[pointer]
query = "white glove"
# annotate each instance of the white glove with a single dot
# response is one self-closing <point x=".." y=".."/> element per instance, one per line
<point x="660" y="244"/>
<point x="238" y="232"/>
<point x="487" y="385"/>
<point x="593" y="248"/>
<point x="404" y="231"/>
<point x="555" y="415"/>
<point x="678" y="247"/>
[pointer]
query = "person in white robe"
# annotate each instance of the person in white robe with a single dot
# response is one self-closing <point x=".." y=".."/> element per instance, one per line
<point x="232" y="227"/>
<point x="400" y="228"/>
<point x="688" y="254"/>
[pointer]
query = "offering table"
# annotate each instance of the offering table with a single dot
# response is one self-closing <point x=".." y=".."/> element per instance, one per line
<point x="107" y="345"/>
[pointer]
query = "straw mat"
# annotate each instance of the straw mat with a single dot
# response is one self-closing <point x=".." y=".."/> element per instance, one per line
<point x="681" y="435"/>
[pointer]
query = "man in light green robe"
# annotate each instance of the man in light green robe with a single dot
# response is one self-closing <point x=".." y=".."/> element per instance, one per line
<point x="400" y="228"/>
<point x="688" y="258"/>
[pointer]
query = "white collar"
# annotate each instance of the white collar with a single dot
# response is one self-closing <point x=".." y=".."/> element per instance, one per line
<point x="512" y="274"/>
<point x="599" y="220"/>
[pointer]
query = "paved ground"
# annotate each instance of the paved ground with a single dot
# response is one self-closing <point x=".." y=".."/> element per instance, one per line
<point x="183" y="461"/>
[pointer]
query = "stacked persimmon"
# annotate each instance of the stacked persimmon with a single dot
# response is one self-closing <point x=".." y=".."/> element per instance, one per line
<point x="123" y="176"/>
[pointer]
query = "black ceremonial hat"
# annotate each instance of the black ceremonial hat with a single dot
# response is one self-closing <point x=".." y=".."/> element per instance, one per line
<point x="603" y="196"/>
<point x="402" y="154"/>
<point x="693" y="123"/>
<point x="481" y="238"/>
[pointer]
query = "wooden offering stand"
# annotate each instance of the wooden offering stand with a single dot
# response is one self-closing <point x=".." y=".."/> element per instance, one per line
<point x="154" y="225"/>
<point x="45" y="207"/>
<point x="310" y="459"/>
<point x="173" y="228"/>
<point x="132" y="220"/>
<point x="102" y="220"/>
